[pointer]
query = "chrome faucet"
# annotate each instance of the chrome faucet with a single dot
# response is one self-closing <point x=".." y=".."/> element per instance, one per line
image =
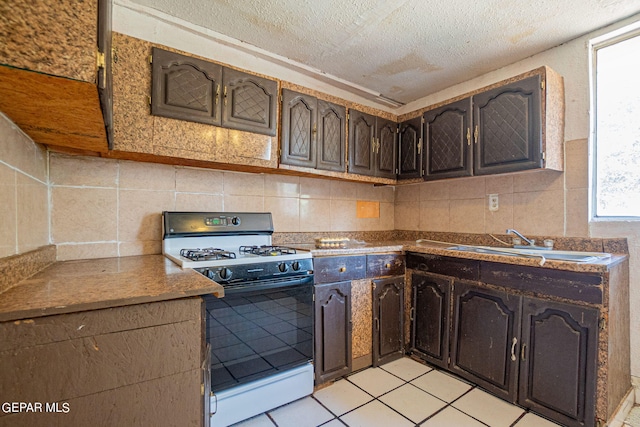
<point x="512" y="231"/>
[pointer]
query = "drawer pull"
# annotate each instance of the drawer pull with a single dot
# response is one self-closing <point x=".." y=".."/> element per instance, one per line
<point x="343" y="269"/>
<point x="513" y="349"/>
<point x="387" y="265"/>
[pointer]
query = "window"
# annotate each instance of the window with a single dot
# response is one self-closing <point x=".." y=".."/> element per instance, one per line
<point x="617" y="126"/>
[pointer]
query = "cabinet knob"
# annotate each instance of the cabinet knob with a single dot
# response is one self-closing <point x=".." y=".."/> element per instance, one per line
<point x="387" y="265"/>
<point x="343" y="269"/>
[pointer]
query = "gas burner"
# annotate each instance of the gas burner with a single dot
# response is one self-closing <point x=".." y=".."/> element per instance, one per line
<point x="206" y="254"/>
<point x="266" y="250"/>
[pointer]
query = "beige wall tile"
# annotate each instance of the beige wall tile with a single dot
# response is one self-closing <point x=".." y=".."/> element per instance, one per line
<point x="437" y="190"/>
<point x="68" y="251"/>
<point x="576" y="164"/>
<point x="367" y="224"/>
<point x="408" y="193"/>
<point x="341" y="190"/>
<point x="281" y="186"/>
<point x="83" y="171"/>
<point x="541" y="180"/>
<point x="343" y="215"/>
<point x="577" y="216"/>
<point x="376" y="193"/>
<point x="191" y="180"/>
<point x="315" y="215"/>
<point x="500" y="220"/>
<point x="628" y="229"/>
<point x="147" y="247"/>
<point x="32" y="213"/>
<point x="146" y="176"/>
<point x="243" y="203"/>
<point x="435" y="215"/>
<point x="8" y="230"/>
<point x="407" y="215"/>
<point x="19" y="151"/>
<point x="243" y="184"/>
<point x="387" y="221"/>
<point x="467" y="188"/>
<point x="539" y="212"/>
<point x="83" y="214"/>
<point x="467" y="215"/>
<point x="140" y="214"/>
<point x="199" y="202"/>
<point x="313" y="188"/>
<point x="500" y="184"/>
<point x="285" y="212"/>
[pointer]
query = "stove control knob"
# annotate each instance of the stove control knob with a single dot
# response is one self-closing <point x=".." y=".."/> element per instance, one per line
<point x="210" y="274"/>
<point x="283" y="267"/>
<point x="224" y="273"/>
<point x="235" y="220"/>
<point x="295" y="265"/>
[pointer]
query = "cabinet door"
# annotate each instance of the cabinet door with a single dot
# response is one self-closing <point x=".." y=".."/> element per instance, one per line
<point x="388" y="316"/>
<point x="331" y="141"/>
<point x="410" y="149"/>
<point x="299" y="129"/>
<point x="558" y="361"/>
<point x="485" y="338"/>
<point x="332" y="331"/>
<point x="386" y="148"/>
<point x="508" y="128"/>
<point x="362" y="128"/>
<point x="249" y="102"/>
<point x="431" y="318"/>
<point x="185" y="88"/>
<point x="447" y="136"/>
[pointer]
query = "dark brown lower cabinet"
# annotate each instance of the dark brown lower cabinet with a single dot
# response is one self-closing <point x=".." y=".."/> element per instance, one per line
<point x="558" y="361"/>
<point x="388" y="324"/>
<point x="332" y="331"/>
<point x="431" y="319"/>
<point x="486" y="329"/>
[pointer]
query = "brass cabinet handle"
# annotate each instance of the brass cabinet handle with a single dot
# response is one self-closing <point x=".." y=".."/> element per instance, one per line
<point x="225" y="95"/>
<point x="373" y="144"/>
<point x="387" y="265"/>
<point x="513" y="349"/>
<point x="468" y="136"/>
<point x="522" y="351"/>
<point x="217" y="98"/>
<point x="419" y="145"/>
<point x="343" y="269"/>
<point x="475" y="134"/>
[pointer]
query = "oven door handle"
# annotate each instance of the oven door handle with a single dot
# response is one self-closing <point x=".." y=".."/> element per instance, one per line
<point x="262" y="285"/>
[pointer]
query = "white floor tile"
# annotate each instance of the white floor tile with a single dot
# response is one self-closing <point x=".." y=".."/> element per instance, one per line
<point x="406" y="368"/>
<point x="412" y="402"/>
<point x="305" y="412"/>
<point x="375" y="381"/>
<point x="450" y="417"/>
<point x="441" y="385"/>
<point x="532" y="420"/>
<point x="334" y="423"/>
<point x="258" y="421"/>
<point x="375" y="414"/>
<point x="342" y="396"/>
<point x="488" y="409"/>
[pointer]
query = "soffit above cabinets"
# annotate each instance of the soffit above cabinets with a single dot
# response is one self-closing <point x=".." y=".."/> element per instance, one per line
<point x="400" y="49"/>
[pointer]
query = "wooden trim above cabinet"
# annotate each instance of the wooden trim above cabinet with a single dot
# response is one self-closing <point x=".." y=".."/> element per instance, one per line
<point x="53" y="110"/>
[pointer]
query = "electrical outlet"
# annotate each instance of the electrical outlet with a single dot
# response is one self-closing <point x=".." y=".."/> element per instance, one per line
<point x="493" y="202"/>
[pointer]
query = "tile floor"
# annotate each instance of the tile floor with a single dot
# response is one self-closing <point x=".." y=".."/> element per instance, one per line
<point x="400" y="393"/>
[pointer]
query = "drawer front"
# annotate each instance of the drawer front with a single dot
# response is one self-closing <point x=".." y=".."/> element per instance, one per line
<point x="385" y="265"/>
<point x="448" y="266"/>
<point x="337" y="269"/>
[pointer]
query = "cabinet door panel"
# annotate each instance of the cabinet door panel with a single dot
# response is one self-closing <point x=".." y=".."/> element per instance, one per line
<point x="249" y="102"/>
<point x="185" y="88"/>
<point x="485" y="339"/>
<point x="447" y="135"/>
<point x="388" y="316"/>
<point x="508" y="126"/>
<point x="410" y="149"/>
<point x="299" y="129"/>
<point x="332" y="331"/>
<point x="331" y="140"/>
<point x="431" y="318"/>
<point x="558" y="362"/>
<point x="386" y="148"/>
<point x="361" y="139"/>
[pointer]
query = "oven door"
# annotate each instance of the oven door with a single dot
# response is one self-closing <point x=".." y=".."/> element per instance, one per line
<point x="259" y="329"/>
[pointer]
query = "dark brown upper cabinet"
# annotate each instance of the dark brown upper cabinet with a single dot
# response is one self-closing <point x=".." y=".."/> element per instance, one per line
<point x="312" y="132"/>
<point x="447" y="135"/>
<point x="507" y="128"/>
<point x="410" y="149"/>
<point x="192" y="89"/>
<point x="372" y="145"/>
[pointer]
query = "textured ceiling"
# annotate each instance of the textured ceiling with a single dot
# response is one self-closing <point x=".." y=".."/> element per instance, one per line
<point x="401" y="49"/>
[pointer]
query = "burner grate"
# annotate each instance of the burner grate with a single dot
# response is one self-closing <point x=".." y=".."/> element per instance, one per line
<point x="266" y="250"/>
<point x="206" y="254"/>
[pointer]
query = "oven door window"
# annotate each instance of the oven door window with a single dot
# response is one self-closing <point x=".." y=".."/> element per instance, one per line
<point x="254" y="334"/>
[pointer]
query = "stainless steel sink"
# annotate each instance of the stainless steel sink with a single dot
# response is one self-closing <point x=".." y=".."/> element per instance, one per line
<point x="573" y="256"/>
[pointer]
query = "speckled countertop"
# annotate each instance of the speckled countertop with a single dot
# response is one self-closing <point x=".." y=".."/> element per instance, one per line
<point x="72" y="286"/>
<point x="441" y="249"/>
